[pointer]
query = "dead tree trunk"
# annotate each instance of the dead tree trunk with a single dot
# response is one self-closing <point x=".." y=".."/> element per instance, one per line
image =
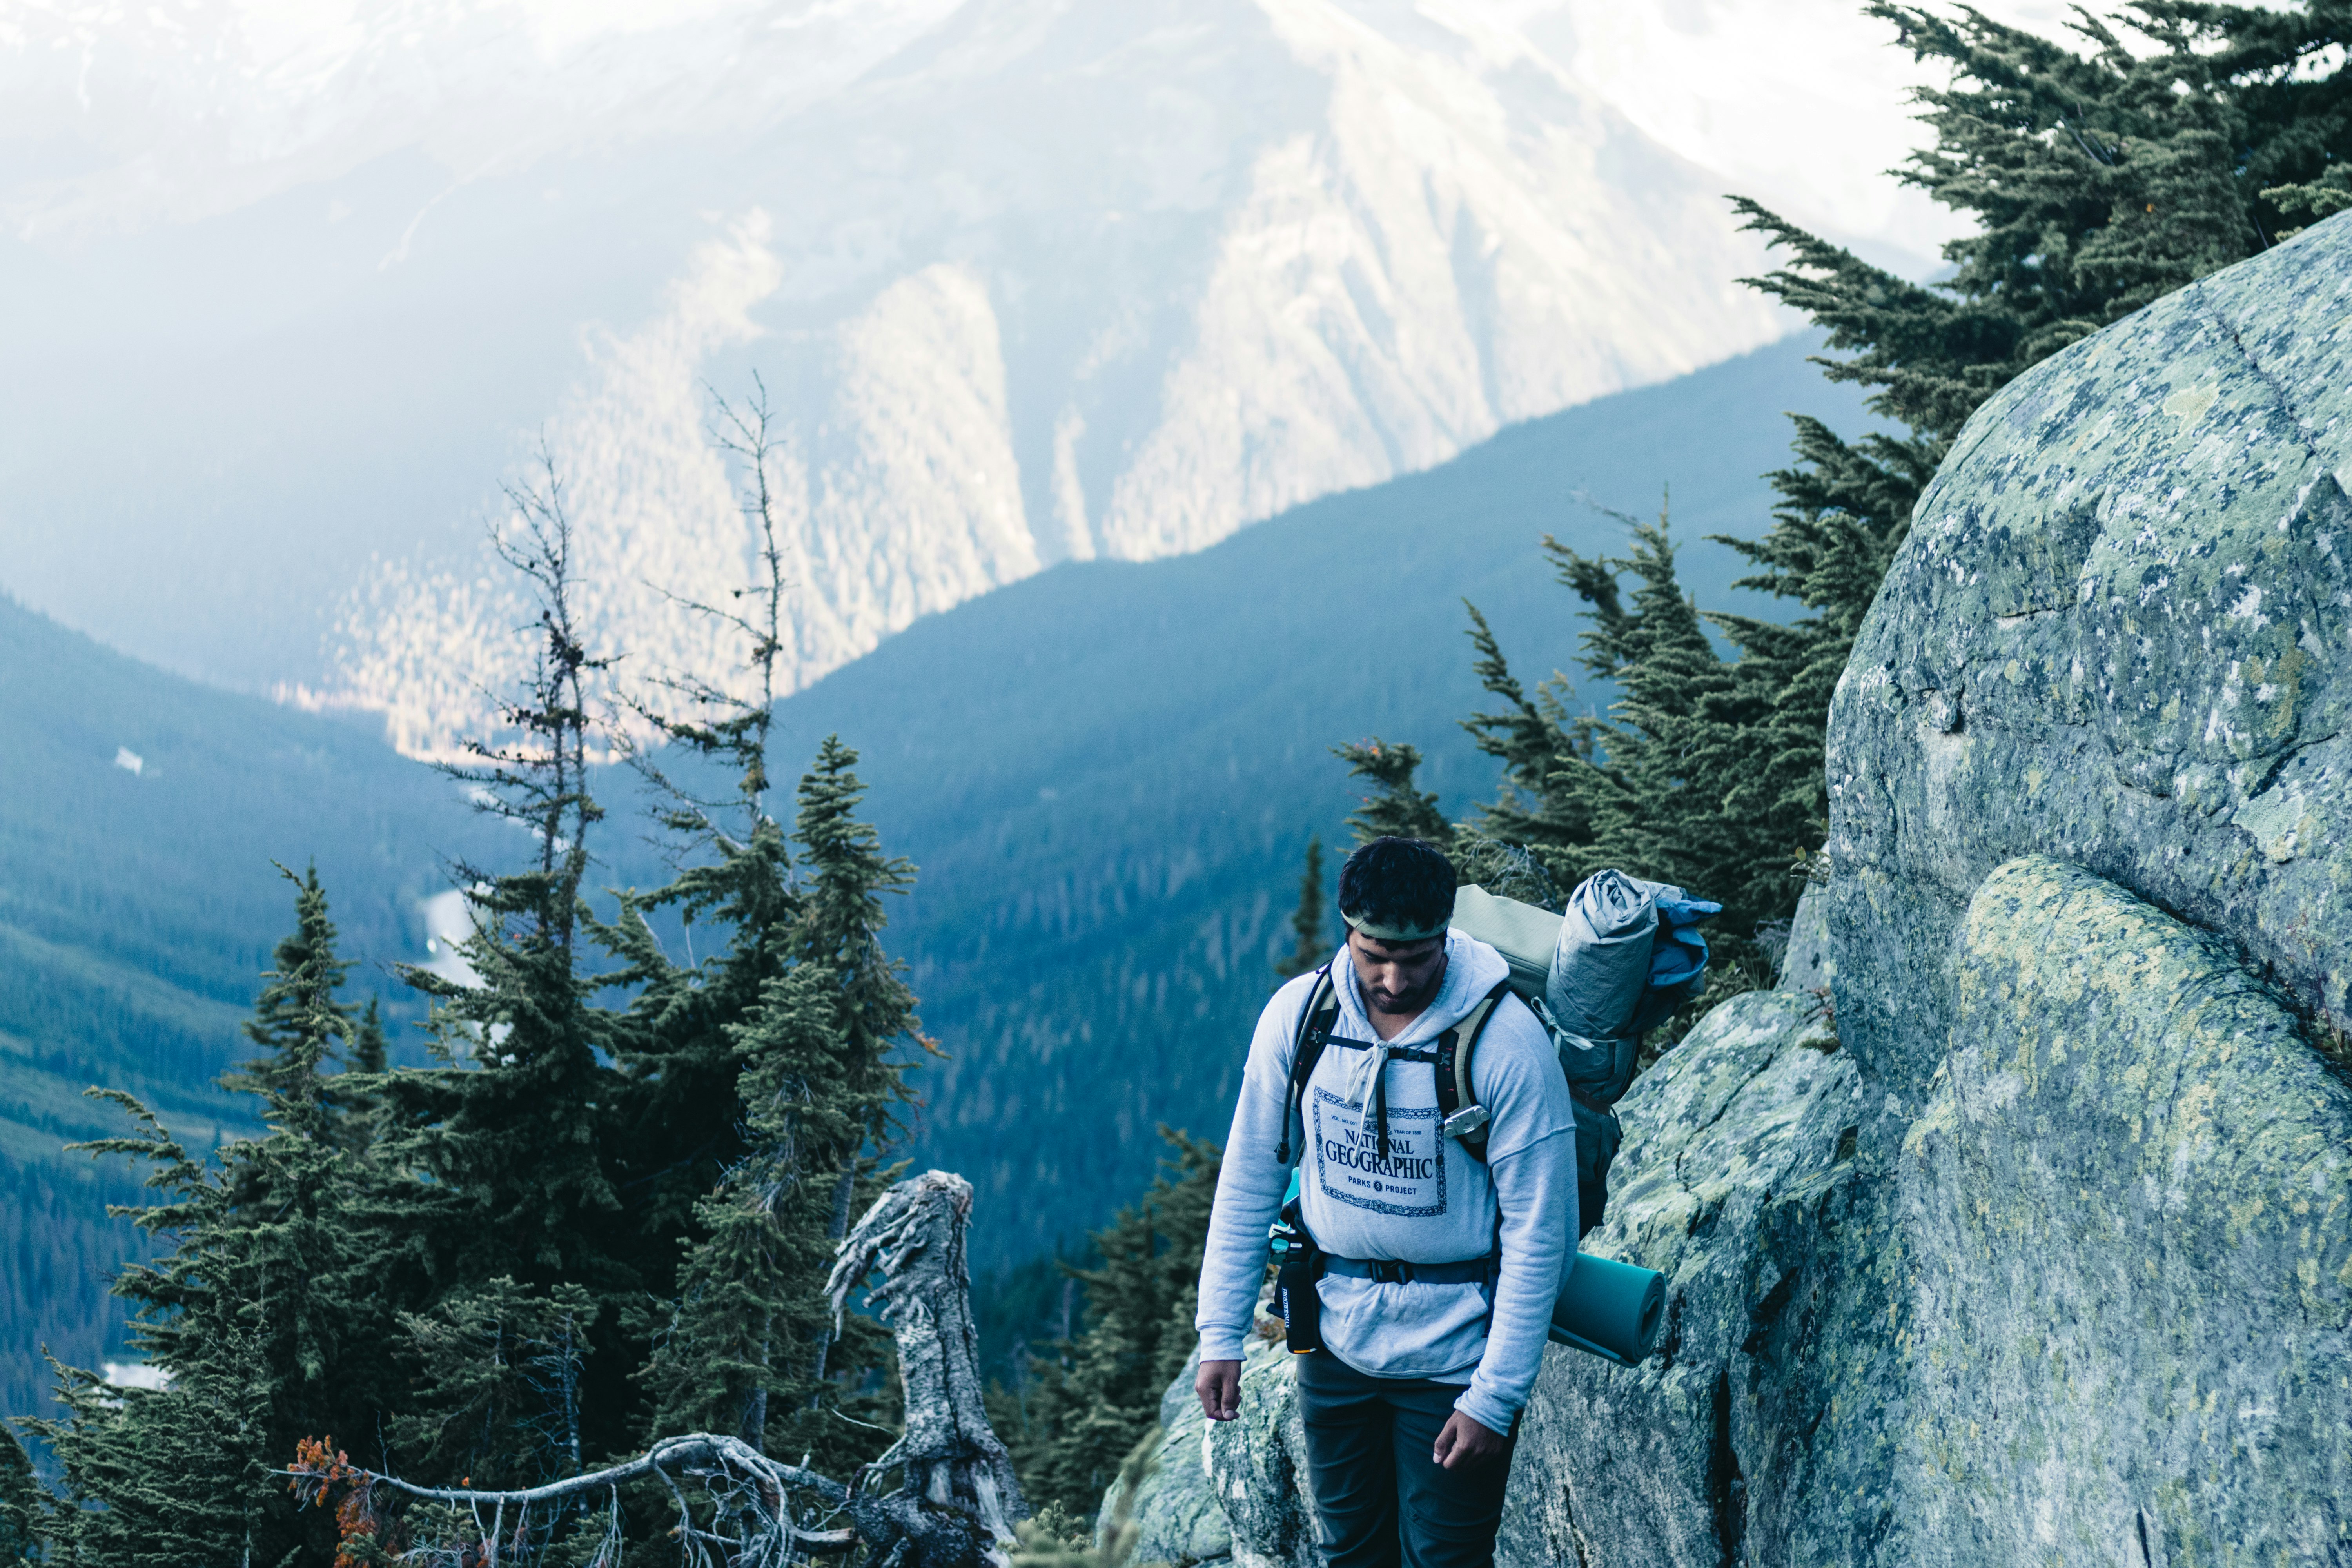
<point x="952" y="1461"/>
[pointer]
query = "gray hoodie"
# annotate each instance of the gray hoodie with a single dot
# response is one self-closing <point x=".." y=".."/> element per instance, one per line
<point x="1428" y="1202"/>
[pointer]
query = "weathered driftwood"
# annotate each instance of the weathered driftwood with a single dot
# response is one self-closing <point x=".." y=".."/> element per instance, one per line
<point x="953" y="1459"/>
<point x="955" y="1506"/>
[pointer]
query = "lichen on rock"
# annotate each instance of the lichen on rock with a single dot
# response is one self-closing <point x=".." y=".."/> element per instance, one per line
<point x="1231" y="1491"/>
<point x="2130" y="1197"/>
<point x="1646" y="1464"/>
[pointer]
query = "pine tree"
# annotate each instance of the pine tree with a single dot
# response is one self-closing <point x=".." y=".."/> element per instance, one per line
<point x="20" y="1504"/>
<point x="747" y="1347"/>
<point x="761" y="1078"/>
<point x="504" y="1144"/>
<point x="180" y="1471"/>
<point x="839" y="932"/>
<point x="498" y="1384"/>
<point x="1313" y="940"/>
<point x="750" y="1308"/>
<point x="679" y="1044"/>
<point x="269" y="1320"/>
<point x="1089" y="1408"/>
<point x="1395" y="807"/>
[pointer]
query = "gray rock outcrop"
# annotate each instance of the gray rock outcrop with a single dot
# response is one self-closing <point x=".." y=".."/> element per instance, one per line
<point x="2129" y="1199"/>
<point x="1749" y="1114"/>
<point x="2019" y="1227"/>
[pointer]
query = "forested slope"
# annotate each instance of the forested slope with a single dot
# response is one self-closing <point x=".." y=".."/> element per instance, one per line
<point x="137" y="909"/>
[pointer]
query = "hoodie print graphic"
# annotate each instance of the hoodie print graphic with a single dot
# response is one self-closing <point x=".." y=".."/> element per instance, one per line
<point x="1349" y="1167"/>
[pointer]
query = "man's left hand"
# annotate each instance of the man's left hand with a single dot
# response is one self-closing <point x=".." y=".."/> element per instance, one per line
<point x="1465" y="1442"/>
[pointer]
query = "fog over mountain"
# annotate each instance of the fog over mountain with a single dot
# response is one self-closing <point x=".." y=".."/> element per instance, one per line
<point x="1026" y="281"/>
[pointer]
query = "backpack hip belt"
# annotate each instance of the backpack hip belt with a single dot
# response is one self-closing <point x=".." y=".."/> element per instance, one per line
<point x="1392" y="1271"/>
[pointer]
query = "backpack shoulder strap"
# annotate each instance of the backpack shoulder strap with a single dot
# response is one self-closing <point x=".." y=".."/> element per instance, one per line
<point x="1463" y="1118"/>
<point x="1316" y="1021"/>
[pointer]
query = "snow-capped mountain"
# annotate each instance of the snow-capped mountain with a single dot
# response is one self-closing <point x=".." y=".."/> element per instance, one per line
<point x="1026" y="280"/>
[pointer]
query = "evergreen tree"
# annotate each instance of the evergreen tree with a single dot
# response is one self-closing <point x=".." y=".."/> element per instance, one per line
<point x="1632" y="791"/>
<point x="269" y="1320"/>
<point x="503" y="1144"/>
<point x="748" y="1347"/>
<point x="1313" y="943"/>
<point x="750" y="1308"/>
<point x="1089" y="1408"/>
<point x="1395" y="807"/>
<point x="498" y="1384"/>
<point x="839" y="932"/>
<point x="20" y="1504"/>
<point x="678" y="1044"/>
<point x="350" y="1093"/>
<point x="761" y="1078"/>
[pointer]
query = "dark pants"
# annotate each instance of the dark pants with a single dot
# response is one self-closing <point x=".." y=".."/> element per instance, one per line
<point x="1377" y="1491"/>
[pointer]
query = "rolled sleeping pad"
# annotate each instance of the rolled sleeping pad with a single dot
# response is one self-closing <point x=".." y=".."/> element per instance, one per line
<point x="1610" y="1308"/>
<point x="1601" y="963"/>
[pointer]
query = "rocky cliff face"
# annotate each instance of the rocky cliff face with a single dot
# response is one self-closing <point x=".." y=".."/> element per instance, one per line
<point x="2035" y="1245"/>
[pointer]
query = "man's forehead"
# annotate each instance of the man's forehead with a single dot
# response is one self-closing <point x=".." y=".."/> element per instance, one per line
<point x="1396" y="951"/>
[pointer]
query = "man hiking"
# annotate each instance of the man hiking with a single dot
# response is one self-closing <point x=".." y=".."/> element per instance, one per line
<point x="1434" y="1256"/>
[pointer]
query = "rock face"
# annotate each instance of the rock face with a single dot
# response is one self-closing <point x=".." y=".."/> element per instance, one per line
<point x="2130" y="1200"/>
<point x="1751" y="1114"/>
<point x="2034" y="1244"/>
<point x="2117" y="639"/>
<point x="2118" y="634"/>
<point x="1226" y="1493"/>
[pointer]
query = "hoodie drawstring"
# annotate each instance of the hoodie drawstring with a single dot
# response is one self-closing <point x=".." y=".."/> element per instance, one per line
<point x="1370" y="1090"/>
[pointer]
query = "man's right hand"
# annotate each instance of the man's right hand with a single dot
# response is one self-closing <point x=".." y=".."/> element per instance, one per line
<point x="1219" y="1386"/>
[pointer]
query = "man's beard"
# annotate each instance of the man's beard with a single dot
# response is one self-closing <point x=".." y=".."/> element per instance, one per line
<point x="1415" y="1001"/>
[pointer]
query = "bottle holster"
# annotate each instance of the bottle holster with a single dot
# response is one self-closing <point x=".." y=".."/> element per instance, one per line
<point x="1296" y="1299"/>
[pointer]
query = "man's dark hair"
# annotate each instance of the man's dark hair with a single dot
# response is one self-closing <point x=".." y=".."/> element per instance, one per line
<point x="1402" y="882"/>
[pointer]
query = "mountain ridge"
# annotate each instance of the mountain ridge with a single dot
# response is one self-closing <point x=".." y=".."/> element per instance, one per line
<point x="1033" y="282"/>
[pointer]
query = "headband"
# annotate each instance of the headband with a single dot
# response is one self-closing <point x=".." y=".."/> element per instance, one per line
<point x="1394" y="933"/>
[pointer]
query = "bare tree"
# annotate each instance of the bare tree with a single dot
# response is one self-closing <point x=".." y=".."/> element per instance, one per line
<point x="539" y="777"/>
<point x="719" y="720"/>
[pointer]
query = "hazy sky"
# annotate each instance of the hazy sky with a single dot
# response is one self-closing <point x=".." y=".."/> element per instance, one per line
<point x="116" y="114"/>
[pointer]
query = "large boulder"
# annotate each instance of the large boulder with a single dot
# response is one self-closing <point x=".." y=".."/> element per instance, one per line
<point x="2130" y="1201"/>
<point x="1653" y="1463"/>
<point x="1223" y="1494"/>
<point x="2120" y="634"/>
<point x="1176" y="1515"/>
<point x="2116" y="647"/>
